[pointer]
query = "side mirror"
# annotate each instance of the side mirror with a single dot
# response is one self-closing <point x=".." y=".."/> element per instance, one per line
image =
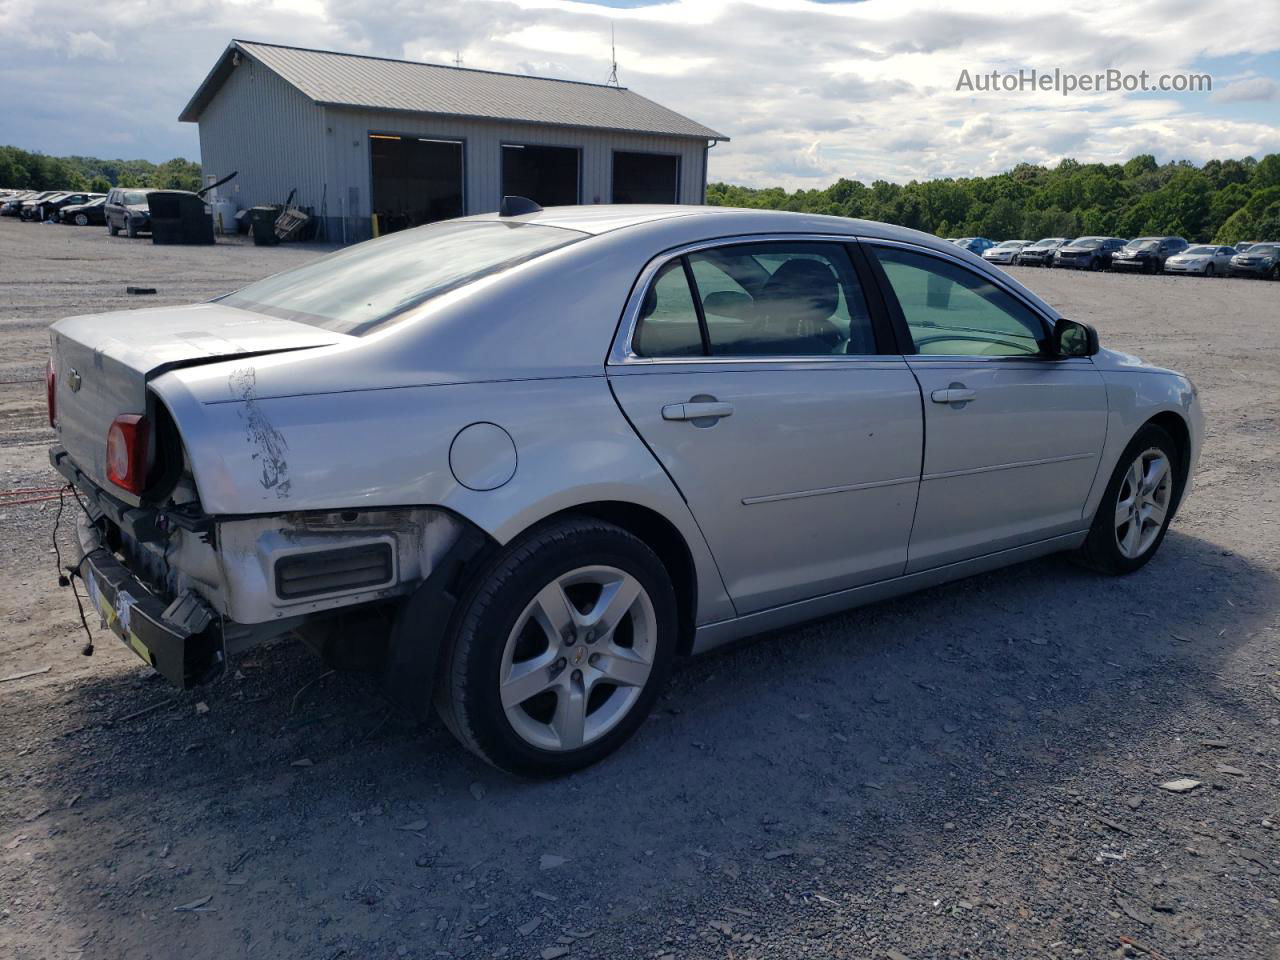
<point x="1071" y="338"/>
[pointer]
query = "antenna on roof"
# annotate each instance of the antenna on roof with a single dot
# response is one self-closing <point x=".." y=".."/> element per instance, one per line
<point x="613" y="52"/>
<point x="457" y="58"/>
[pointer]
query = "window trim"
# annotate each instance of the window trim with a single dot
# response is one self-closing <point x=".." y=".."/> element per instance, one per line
<point x="903" y="331"/>
<point x="622" y="351"/>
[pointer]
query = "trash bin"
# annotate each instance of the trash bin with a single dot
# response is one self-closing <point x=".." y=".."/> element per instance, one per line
<point x="179" y="216"/>
<point x="263" y="225"/>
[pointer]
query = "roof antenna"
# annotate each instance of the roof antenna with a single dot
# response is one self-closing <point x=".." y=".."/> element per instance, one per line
<point x="613" y="70"/>
<point x="457" y="58"/>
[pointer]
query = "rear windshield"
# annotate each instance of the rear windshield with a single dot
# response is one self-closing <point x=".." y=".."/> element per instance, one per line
<point x="358" y="290"/>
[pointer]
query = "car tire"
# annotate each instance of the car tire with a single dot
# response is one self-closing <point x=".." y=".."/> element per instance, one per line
<point x="1209" y="271"/>
<point x="502" y="624"/>
<point x="82" y="220"/>
<point x="112" y="229"/>
<point x="131" y="229"/>
<point x="1117" y="545"/>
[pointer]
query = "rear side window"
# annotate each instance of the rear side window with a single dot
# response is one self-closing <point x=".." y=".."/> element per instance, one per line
<point x="953" y="311"/>
<point x="668" y="325"/>
<point x="785" y="299"/>
<point x="362" y="288"/>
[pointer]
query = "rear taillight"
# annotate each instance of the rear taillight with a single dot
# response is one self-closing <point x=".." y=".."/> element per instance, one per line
<point x="127" y="453"/>
<point x="50" y="396"/>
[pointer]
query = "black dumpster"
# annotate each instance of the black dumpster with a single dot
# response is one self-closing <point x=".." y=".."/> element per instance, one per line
<point x="179" y="216"/>
<point x="262" y="224"/>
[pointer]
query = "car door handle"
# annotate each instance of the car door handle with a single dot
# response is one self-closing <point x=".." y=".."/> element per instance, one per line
<point x="952" y="395"/>
<point x="697" y="410"/>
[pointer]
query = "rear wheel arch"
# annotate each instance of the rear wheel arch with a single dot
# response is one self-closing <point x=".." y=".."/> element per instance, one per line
<point x="661" y="536"/>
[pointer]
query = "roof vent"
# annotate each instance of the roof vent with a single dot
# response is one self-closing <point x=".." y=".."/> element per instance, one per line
<point x="517" y="207"/>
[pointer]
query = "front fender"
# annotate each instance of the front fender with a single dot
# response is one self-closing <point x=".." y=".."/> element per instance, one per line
<point x="1135" y="396"/>
<point x="391" y="447"/>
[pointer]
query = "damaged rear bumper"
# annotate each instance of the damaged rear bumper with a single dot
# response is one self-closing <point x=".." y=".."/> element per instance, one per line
<point x="181" y="640"/>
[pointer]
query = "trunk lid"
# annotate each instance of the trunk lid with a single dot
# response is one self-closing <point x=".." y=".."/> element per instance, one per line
<point x="102" y="362"/>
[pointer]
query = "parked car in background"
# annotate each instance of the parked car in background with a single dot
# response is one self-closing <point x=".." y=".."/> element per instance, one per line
<point x="1040" y="253"/>
<point x="13" y="204"/>
<point x="1087" y="253"/>
<point x="978" y="245"/>
<point x="30" y="209"/>
<point x="1147" y="254"/>
<point x="49" y="209"/>
<point x="591" y="491"/>
<point x="84" y="214"/>
<point x="126" y="209"/>
<point x="1205" y="259"/>
<point x="1244" y="245"/>
<point x="1006" y="252"/>
<point x="1260" y="260"/>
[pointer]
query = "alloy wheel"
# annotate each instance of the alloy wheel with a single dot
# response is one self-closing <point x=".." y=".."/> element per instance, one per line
<point x="578" y="658"/>
<point x="1143" y="502"/>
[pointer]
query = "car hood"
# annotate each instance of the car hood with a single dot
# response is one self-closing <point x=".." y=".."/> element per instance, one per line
<point x="1106" y="359"/>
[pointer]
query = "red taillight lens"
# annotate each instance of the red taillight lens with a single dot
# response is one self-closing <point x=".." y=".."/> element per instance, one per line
<point x="127" y="453"/>
<point x="50" y="396"/>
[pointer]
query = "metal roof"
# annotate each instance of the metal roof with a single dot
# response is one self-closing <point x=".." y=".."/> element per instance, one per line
<point x="353" y="80"/>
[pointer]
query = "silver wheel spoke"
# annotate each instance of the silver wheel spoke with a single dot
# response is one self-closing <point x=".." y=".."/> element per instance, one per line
<point x="570" y="720"/>
<point x="1154" y="513"/>
<point x="616" y="601"/>
<point x="1155" y="474"/>
<point x="554" y="611"/>
<point x="528" y="679"/>
<point x="623" y="667"/>
<point x="1132" y="537"/>
<point x="1124" y="510"/>
<point x="1134" y="479"/>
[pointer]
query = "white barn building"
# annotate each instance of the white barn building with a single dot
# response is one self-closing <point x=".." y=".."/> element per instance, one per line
<point x="416" y="142"/>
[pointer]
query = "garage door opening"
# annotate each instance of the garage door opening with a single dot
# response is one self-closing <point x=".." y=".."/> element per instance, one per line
<point x="415" y="180"/>
<point x="546" y="175"/>
<point x="645" y="178"/>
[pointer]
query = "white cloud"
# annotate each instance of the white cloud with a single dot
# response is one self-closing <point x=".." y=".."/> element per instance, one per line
<point x="1250" y="88"/>
<point x="90" y="46"/>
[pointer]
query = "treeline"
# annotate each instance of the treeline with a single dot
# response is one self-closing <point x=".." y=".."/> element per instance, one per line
<point x="23" y="169"/>
<point x="1224" y="201"/>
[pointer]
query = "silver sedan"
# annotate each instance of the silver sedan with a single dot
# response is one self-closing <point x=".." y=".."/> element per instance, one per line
<point x="523" y="462"/>
<point x="1207" y="260"/>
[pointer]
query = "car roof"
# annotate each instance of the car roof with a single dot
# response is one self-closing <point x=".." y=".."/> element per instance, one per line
<point x="713" y="221"/>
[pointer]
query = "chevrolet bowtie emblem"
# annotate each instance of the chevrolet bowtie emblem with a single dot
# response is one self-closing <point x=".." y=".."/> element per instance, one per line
<point x="74" y="380"/>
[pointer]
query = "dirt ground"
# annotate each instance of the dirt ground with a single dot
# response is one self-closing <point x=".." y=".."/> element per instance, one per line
<point x="972" y="771"/>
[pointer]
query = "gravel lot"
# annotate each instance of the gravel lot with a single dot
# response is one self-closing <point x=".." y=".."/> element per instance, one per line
<point x="972" y="771"/>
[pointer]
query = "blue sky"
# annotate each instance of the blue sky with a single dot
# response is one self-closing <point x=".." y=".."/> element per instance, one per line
<point x="808" y="91"/>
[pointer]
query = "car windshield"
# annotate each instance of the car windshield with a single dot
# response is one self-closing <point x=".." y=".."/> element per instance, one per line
<point x="134" y="197"/>
<point x="357" y="290"/>
<point x="1010" y="243"/>
<point x="1087" y="243"/>
<point x="1045" y="244"/>
<point x="1270" y="249"/>
<point x="1200" y="251"/>
<point x="1143" y="243"/>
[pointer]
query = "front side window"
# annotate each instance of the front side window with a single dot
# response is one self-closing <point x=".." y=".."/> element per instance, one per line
<point x="361" y="288"/>
<point x="953" y="311"/>
<point x="785" y="299"/>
